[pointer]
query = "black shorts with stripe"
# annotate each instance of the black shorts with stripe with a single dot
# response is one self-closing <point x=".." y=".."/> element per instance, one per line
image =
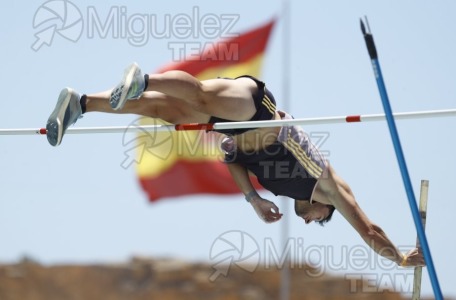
<point x="289" y="167"/>
<point x="265" y="105"/>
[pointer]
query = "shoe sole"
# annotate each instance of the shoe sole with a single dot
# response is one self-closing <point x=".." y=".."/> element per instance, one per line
<point x="126" y="81"/>
<point x="54" y="124"/>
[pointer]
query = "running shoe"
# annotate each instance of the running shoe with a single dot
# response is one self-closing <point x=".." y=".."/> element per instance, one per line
<point x="66" y="112"/>
<point x="131" y="87"/>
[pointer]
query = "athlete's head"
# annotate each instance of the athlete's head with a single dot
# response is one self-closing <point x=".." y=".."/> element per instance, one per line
<point x="315" y="211"/>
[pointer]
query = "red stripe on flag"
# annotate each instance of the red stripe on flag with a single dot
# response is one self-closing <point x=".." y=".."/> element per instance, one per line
<point x="226" y="52"/>
<point x="192" y="177"/>
<point x="351" y="119"/>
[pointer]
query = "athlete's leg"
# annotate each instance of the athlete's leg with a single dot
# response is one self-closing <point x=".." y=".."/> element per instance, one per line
<point x="150" y="104"/>
<point x="190" y="100"/>
<point x="223" y="98"/>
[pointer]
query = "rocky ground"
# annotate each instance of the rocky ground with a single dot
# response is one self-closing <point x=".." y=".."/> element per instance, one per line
<point x="142" y="278"/>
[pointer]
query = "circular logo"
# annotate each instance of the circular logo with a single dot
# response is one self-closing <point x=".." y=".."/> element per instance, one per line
<point x="57" y="16"/>
<point x="234" y="247"/>
<point x="157" y="140"/>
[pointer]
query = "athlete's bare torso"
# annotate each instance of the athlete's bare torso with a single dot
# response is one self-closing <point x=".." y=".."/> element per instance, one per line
<point x="257" y="139"/>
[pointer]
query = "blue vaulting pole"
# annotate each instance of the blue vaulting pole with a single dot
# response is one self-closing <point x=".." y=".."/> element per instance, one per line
<point x="401" y="160"/>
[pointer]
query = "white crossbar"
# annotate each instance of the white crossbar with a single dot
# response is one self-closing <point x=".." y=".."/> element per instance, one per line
<point x="237" y="125"/>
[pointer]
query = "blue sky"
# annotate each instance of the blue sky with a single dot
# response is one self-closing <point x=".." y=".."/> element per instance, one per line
<point x="76" y="204"/>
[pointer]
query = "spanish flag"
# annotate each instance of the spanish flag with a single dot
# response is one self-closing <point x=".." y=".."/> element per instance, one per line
<point x="182" y="163"/>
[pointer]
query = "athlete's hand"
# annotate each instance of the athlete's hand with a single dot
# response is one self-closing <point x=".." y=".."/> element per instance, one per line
<point x="265" y="209"/>
<point x="413" y="258"/>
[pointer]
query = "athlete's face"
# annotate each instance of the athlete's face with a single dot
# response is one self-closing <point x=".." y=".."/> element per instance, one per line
<point x="313" y="212"/>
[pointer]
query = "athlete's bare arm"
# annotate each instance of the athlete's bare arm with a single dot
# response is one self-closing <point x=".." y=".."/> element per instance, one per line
<point x="265" y="209"/>
<point x="333" y="190"/>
